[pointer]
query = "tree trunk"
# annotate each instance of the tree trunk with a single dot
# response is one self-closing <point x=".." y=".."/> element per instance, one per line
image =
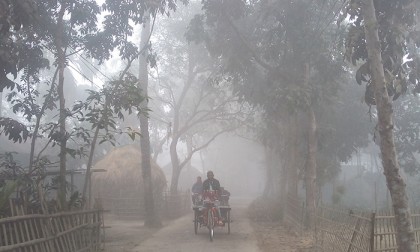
<point x="88" y="177"/>
<point x="189" y="142"/>
<point x="176" y="169"/>
<point x="174" y="180"/>
<point x="152" y="218"/>
<point x="292" y="164"/>
<point x="1" y="103"/>
<point x="395" y="183"/>
<point x="177" y="166"/>
<point x="269" y="180"/>
<point x="63" y="137"/>
<point x="157" y="147"/>
<point x="283" y="185"/>
<point x="61" y="60"/>
<point x="38" y="123"/>
<point x="310" y="174"/>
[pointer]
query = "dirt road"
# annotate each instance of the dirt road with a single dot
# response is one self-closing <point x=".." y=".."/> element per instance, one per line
<point x="178" y="236"/>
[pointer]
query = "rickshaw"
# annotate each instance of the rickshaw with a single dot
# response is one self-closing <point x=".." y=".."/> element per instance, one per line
<point x="208" y="212"/>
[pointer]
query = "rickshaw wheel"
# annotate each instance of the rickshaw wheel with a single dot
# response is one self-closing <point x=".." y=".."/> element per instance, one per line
<point x="195" y="221"/>
<point x="210" y="224"/>
<point x="228" y="220"/>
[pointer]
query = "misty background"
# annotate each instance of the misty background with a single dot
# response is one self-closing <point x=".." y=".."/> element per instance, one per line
<point x="215" y="124"/>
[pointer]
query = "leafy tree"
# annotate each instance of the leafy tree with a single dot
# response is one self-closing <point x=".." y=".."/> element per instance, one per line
<point x="53" y="30"/>
<point x="382" y="35"/>
<point x="19" y="51"/>
<point x="15" y="19"/>
<point x="406" y="133"/>
<point x="198" y="108"/>
<point x="59" y="27"/>
<point x="284" y="47"/>
<point x="152" y="218"/>
<point x="119" y="22"/>
<point x="65" y="28"/>
<point x="14" y="180"/>
<point x="102" y="109"/>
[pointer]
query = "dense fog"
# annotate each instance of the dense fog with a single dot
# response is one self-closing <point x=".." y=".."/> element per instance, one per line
<point x="121" y="105"/>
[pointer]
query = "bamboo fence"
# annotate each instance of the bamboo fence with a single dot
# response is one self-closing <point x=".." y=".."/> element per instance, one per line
<point x="385" y="233"/>
<point x="60" y="232"/>
<point x="344" y="230"/>
<point x="295" y="212"/>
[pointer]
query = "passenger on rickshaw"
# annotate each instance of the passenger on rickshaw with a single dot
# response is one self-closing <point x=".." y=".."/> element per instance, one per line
<point x="197" y="190"/>
<point x="224" y="201"/>
<point x="224" y="196"/>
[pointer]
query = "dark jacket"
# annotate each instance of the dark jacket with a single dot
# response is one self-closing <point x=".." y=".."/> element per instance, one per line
<point x="214" y="183"/>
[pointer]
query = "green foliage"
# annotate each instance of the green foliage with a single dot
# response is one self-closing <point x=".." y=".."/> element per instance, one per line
<point x="16" y="51"/>
<point x="264" y="48"/>
<point x="407" y="135"/>
<point x="75" y="201"/>
<point x="9" y="167"/>
<point x="119" y="24"/>
<point x="16" y="131"/>
<point x="15" y="179"/>
<point x="102" y="109"/>
<point x="6" y="189"/>
<point x="399" y="43"/>
<point x="23" y="101"/>
<point x="29" y="28"/>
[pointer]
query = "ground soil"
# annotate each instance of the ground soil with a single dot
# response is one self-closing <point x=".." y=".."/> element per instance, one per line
<point x="178" y="235"/>
<point x="122" y="235"/>
<point x="277" y="236"/>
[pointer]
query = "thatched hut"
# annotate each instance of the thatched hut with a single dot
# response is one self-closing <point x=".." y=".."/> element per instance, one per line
<point x="120" y="188"/>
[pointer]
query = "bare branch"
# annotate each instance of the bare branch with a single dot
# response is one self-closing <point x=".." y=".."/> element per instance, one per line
<point x="188" y="158"/>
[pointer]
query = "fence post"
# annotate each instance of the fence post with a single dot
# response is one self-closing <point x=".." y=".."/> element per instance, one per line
<point x="355" y="231"/>
<point x="322" y="233"/>
<point x="372" y="232"/>
<point x="304" y="216"/>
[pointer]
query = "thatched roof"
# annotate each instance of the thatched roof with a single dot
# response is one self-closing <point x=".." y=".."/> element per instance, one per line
<point x="123" y="170"/>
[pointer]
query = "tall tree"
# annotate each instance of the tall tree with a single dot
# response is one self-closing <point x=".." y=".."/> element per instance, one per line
<point x="152" y="219"/>
<point x="53" y="28"/>
<point x="380" y="35"/>
<point x="120" y="25"/>
<point x="278" y="56"/>
<point x="405" y="237"/>
<point x="61" y="61"/>
<point x="1" y="103"/>
<point x="198" y="109"/>
<point x="65" y="28"/>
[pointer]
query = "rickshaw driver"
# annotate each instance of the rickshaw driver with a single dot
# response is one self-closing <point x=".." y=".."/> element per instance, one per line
<point x="212" y="184"/>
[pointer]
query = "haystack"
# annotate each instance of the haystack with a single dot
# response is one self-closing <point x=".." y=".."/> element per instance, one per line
<point x="123" y="177"/>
